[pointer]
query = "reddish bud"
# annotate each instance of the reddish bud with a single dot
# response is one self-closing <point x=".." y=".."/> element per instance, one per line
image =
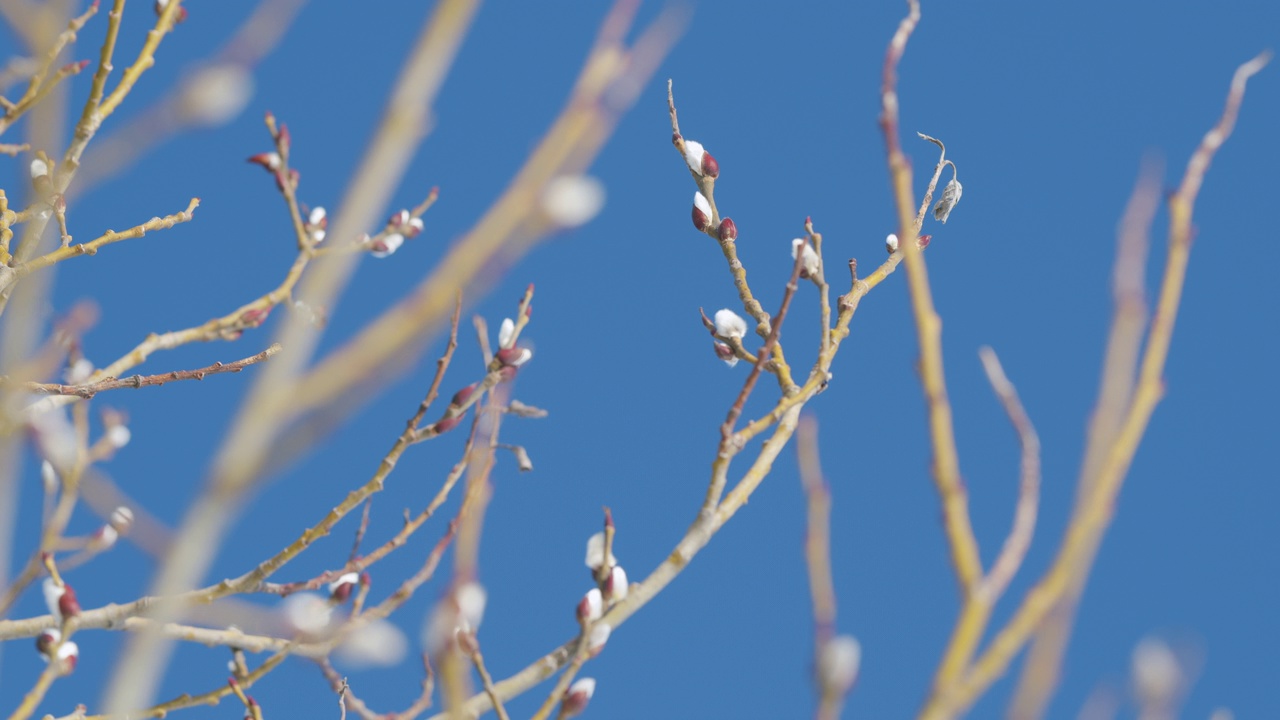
<point x="922" y="242"/>
<point x="75" y="67"/>
<point x="294" y="177"/>
<point x="728" y="230"/>
<point x="514" y="356"/>
<point x="340" y="589"/>
<point x="366" y="579"/>
<point x="269" y="160"/>
<point x="445" y="424"/>
<point x="700" y="219"/>
<point x="283" y="138"/>
<point x="460" y="397"/>
<point x="255" y="316"/>
<point x="68" y="606"/>
<point x="47" y="639"/>
<point x="398" y="219"/>
<point x="710" y="167"/>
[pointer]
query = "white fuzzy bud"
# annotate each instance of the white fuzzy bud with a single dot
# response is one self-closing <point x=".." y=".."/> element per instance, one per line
<point x="350" y="578"/>
<point x="307" y="613"/>
<point x="811" y="262"/>
<point x="595" y="552"/>
<point x="121" y="518"/>
<point x="506" y="333"/>
<point x="693" y="152"/>
<point x="615" y="586"/>
<point x="838" y="664"/>
<point x="950" y="196"/>
<point x="39" y="168"/>
<point x="730" y="325"/>
<point x="118" y="436"/>
<point x="891" y="243"/>
<point x="49" y="477"/>
<point x="387" y="245"/>
<point x="376" y="644"/>
<point x="79" y="371"/>
<point x="216" y="94"/>
<point x="107" y="536"/>
<point x="53" y="592"/>
<point x="1157" y="674"/>
<point x="591" y="607"/>
<point x="573" y="200"/>
<point x="471" y="599"/>
<point x="316" y="216"/>
<point x="599" y="636"/>
<point x="577" y="697"/>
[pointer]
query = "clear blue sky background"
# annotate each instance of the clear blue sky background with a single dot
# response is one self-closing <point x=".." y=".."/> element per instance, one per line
<point x="1048" y="108"/>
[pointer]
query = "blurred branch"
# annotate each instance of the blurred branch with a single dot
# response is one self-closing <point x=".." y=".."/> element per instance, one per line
<point x="1042" y="668"/>
<point x="1091" y="521"/>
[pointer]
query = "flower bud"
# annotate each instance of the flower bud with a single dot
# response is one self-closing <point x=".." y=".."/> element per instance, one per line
<point x="460" y="398"/>
<point x="599" y="636"/>
<point x="701" y="212"/>
<point x="615" y="586"/>
<point x="121" y="519"/>
<point x="922" y="242"/>
<point x="318" y="217"/>
<point x="506" y="333"/>
<point x="591" y="607"/>
<point x="340" y="589"/>
<point x="891" y="243"/>
<point x="573" y="200"/>
<point x="595" y="552"/>
<point x="728" y="230"/>
<point x="730" y="325"/>
<point x="60" y="599"/>
<point x="68" y="656"/>
<point x="725" y="353"/>
<point x="514" y="356"/>
<point x="39" y="168"/>
<point x="46" y="640"/>
<point x="838" y="664"/>
<point x="387" y="245"/>
<point x="577" y="697"/>
<point x="1157" y="675"/>
<point x="104" y="537"/>
<point x="810" y="263"/>
<point x="398" y="219"/>
<point x="693" y="154"/>
<point x="269" y="160"/>
<point x="710" y="167"/>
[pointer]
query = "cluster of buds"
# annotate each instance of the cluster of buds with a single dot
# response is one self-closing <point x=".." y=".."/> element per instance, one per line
<point x="704" y="215"/>
<point x="810" y="263"/>
<point x="612" y="587"/>
<point x="400" y="225"/>
<point x="457" y="615"/>
<point x="576" y="697"/>
<point x="317" y="223"/>
<point x="729" y="331"/>
<point x="510" y="359"/>
<point x="53" y="648"/>
<point x="891" y="242"/>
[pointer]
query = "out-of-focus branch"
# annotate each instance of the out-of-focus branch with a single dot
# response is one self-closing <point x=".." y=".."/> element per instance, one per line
<point x="1024" y="515"/>
<point x="1090" y="523"/>
<point x="1043" y="665"/>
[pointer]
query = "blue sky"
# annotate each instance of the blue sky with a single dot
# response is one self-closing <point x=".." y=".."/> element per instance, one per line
<point x="1048" y="109"/>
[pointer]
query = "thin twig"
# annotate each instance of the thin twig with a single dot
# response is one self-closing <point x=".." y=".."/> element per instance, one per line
<point x="88" y="390"/>
<point x="1024" y="516"/>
